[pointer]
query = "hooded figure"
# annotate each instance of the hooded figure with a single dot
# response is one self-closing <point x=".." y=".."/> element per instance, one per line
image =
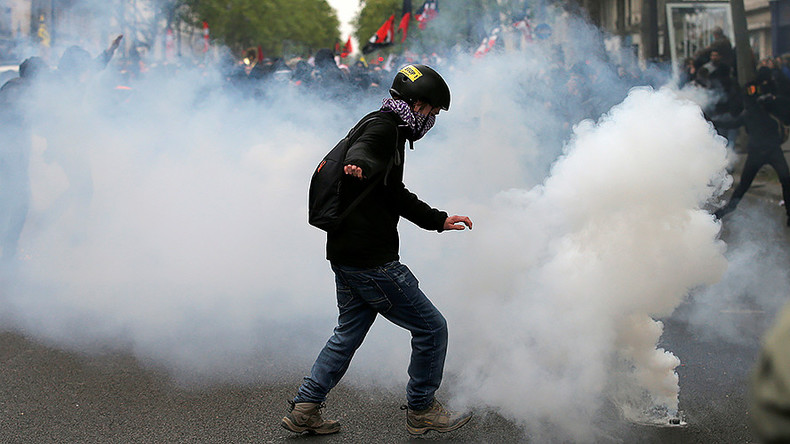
<point x="17" y="98"/>
<point x="765" y="117"/>
<point x="75" y="63"/>
<point x="327" y="73"/>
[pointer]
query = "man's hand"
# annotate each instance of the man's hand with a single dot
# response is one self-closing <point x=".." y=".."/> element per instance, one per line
<point x="115" y="44"/>
<point x="354" y="171"/>
<point x="455" y="223"/>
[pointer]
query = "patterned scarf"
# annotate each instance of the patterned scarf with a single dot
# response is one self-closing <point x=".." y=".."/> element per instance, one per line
<point x="419" y="124"/>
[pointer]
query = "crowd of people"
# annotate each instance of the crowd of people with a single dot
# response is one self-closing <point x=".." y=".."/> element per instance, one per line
<point x="714" y="68"/>
<point x="584" y="90"/>
<point x="761" y="107"/>
<point x="565" y="92"/>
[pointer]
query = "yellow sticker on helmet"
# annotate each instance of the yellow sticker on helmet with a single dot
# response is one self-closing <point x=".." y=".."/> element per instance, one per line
<point x="411" y="72"/>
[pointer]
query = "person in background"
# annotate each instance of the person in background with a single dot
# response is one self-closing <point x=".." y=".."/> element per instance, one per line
<point x="687" y="72"/>
<point x="66" y="140"/>
<point x="16" y="99"/>
<point x="764" y="116"/>
<point x="785" y="65"/>
<point x="720" y="44"/>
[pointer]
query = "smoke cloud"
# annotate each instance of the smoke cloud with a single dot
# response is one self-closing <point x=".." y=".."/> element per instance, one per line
<point x="169" y="221"/>
<point x="560" y="284"/>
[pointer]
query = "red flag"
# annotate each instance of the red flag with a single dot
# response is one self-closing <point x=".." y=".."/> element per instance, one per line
<point x="525" y="28"/>
<point x="170" y="49"/>
<point x="348" y="49"/>
<point x="404" y="19"/>
<point x="427" y="12"/>
<point x="382" y="37"/>
<point x="205" y="36"/>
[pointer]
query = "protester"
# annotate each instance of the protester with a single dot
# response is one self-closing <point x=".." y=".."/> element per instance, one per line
<point x="719" y="72"/>
<point x="327" y="75"/>
<point x="785" y="66"/>
<point x="65" y="139"/>
<point x="363" y="253"/>
<point x="16" y="98"/>
<point x="722" y="45"/>
<point x="687" y="72"/>
<point x="778" y="76"/>
<point x="717" y="77"/>
<point x="763" y="116"/>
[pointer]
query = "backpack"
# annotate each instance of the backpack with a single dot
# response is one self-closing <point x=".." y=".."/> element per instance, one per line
<point x="323" y="205"/>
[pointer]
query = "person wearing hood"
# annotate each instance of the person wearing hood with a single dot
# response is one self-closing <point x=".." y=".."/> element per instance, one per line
<point x="17" y="97"/>
<point x="327" y="75"/>
<point x="76" y="63"/>
<point x="363" y="253"/>
<point x="765" y="116"/>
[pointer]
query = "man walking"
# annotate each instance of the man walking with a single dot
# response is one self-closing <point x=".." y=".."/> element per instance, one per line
<point x="363" y="252"/>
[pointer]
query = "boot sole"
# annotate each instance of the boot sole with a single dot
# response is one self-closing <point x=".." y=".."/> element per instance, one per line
<point x="424" y="430"/>
<point x="290" y="426"/>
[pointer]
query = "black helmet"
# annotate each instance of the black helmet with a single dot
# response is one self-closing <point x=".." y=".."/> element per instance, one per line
<point x="420" y="82"/>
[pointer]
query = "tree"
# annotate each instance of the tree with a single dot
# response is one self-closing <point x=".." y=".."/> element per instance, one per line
<point x="460" y="22"/>
<point x="278" y="26"/>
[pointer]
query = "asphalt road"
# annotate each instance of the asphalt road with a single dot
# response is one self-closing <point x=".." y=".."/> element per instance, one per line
<point x="53" y="396"/>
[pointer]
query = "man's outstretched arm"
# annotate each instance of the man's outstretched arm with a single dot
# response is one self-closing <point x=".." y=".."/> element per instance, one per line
<point x="457" y="223"/>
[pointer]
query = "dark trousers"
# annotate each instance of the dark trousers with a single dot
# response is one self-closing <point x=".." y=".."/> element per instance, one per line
<point x="754" y="161"/>
<point x="392" y="291"/>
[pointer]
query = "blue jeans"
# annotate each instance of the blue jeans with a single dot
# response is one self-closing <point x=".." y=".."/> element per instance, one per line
<point x="393" y="291"/>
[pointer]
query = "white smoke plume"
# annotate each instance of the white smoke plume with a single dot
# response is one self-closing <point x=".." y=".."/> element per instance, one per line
<point x="172" y="224"/>
<point x="756" y="281"/>
<point x="562" y="281"/>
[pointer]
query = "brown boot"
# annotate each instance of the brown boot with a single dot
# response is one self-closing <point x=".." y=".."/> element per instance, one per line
<point x="306" y="417"/>
<point x="435" y="417"/>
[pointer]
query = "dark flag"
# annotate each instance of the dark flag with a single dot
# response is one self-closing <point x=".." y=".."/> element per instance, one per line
<point x="382" y="37"/>
<point x="427" y="12"/>
<point x="404" y="19"/>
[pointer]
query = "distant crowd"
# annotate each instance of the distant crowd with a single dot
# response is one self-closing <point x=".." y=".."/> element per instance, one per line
<point x="714" y="68"/>
<point x="557" y="91"/>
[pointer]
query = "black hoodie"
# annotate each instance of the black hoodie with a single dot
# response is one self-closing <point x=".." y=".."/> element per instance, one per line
<point x="368" y="237"/>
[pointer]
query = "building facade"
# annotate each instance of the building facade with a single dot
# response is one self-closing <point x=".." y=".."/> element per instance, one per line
<point x="653" y="28"/>
<point x="48" y="26"/>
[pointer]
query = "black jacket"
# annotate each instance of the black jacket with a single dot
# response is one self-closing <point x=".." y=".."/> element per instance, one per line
<point x="368" y="237"/>
<point x="761" y="121"/>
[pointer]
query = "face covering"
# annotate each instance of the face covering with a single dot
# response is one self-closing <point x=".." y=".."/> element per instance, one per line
<point x="419" y="124"/>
